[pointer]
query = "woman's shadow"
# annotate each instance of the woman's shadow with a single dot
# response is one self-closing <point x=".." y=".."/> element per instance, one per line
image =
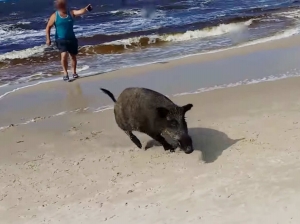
<point x="210" y="142"/>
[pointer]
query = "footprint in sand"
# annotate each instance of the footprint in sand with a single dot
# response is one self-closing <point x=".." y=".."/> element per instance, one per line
<point x="46" y="146"/>
<point x="73" y="131"/>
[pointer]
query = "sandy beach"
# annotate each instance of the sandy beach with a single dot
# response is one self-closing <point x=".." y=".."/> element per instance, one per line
<point x="79" y="167"/>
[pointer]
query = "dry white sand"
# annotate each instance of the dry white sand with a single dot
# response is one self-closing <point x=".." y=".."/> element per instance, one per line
<point x="81" y="168"/>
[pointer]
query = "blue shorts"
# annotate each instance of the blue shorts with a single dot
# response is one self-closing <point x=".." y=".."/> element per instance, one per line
<point x="70" y="46"/>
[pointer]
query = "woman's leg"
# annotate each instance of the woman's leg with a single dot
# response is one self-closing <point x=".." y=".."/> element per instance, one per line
<point x="64" y="62"/>
<point x="74" y="63"/>
<point x="73" y="50"/>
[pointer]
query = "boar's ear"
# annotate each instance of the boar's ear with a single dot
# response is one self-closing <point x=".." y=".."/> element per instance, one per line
<point x="187" y="107"/>
<point x="162" y="112"/>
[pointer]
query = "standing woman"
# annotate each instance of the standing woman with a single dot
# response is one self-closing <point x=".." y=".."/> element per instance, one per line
<point x="65" y="39"/>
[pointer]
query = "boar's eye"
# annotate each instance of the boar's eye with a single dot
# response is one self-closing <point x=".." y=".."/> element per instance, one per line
<point x="174" y="123"/>
<point x="162" y="112"/>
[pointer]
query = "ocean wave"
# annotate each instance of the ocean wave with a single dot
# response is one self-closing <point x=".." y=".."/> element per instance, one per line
<point x="188" y="35"/>
<point x="292" y="14"/>
<point x="29" y="52"/>
<point x="122" y="45"/>
<point x="209" y="32"/>
<point x="40" y="55"/>
<point x="23" y="22"/>
<point x="173" y="7"/>
<point x="126" y="12"/>
<point x="37" y="77"/>
<point x="14" y="14"/>
<point x="17" y="33"/>
<point x="19" y="26"/>
<point x="22" y="30"/>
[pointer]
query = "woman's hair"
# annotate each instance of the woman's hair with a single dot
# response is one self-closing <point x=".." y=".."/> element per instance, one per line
<point x="60" y="4"/>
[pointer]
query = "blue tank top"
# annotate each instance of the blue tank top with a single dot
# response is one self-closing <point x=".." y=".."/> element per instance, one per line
<point x="64" y="27"/>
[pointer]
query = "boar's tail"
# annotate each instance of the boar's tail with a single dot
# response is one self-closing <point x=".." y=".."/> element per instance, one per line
<point x="109" y="94"/>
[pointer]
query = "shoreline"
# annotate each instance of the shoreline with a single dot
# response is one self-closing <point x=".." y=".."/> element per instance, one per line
<point x="228" y="51"/>
<point x="110" y="107"/>
<point x="195" y="74"/>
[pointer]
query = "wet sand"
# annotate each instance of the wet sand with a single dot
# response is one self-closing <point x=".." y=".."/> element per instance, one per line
<point x="81" y="168"/>
<point x="275" y="58"/>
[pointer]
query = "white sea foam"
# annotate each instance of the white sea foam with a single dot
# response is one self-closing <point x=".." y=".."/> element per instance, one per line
<point x="4" y="85"/>
<point x="17" y="35"/>
<point x="27" y="86"/>
<point x="244" y="82"/>
<point x="103" y="108"/>
<point x="188" y="35"/>
<point x="32" y="120"/>
<point x="36" y="119"/>
<point x="83" y="68"/>
<point x="209" y="32"/>
<point x="38" y="50"/>
<point x="2" y="31"/>
<point x="60" y="114"/>
<point x="36" y="76"/>
<point x="23" y="22"/>
<point x="127" y="12"/>
<point x="4" y="127"/>
<point x="293" y="14"/>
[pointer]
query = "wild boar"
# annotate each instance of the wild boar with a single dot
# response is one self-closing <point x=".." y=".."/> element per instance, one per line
<point x="149" y="112"/>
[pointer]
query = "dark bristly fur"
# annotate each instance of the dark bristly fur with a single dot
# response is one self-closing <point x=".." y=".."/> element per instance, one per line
<point x="149" y="112"/>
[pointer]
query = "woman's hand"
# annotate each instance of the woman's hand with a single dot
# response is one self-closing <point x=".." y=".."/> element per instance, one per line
<point x="89" y="8"/>
<point x="82" y="11"/>
<point x="48" y="42"/>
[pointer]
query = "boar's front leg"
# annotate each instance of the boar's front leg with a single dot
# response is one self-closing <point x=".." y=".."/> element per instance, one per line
<point x="134" y="139"/>
<point x="162" y="140"/>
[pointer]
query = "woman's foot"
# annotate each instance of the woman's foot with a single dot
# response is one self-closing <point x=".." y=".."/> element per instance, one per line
<point x="66" y="78"/>
<point x="75" y="76"/>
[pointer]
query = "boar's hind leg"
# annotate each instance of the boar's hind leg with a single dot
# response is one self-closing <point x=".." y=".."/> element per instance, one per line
<point x="163" y="141"/>
<point x="134" y="139"/>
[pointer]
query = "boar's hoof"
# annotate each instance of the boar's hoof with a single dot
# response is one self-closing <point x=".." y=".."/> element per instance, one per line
<point x="139" y="145"/>
<point x="135" y="140"/>
<point x="169" y="147"/>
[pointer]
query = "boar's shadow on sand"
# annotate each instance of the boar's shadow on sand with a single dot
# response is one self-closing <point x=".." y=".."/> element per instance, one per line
<point x="210" y="142"/>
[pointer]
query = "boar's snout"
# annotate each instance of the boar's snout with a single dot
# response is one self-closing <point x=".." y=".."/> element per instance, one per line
<point x="186" y="144"/>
